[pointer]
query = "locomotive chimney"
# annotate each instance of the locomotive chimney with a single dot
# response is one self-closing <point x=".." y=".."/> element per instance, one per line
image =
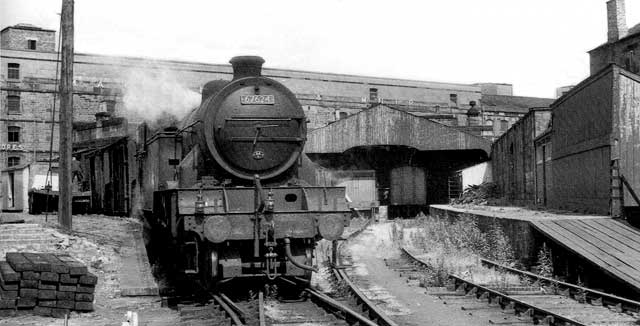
<point x="246" y="66"/>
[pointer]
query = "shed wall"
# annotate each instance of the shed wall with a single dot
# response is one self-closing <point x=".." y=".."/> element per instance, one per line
<point x="629" y="134"/>
<point x="581" y="151"/>
<point x="513" y="158"/>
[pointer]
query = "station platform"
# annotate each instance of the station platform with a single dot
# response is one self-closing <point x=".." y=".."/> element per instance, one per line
<point x="610" y="245"/>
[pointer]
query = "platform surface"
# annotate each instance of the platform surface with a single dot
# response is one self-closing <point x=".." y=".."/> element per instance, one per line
<point x="610" y="244"/>
<point x="135" y="274"/>
<point x="515" y="213"/>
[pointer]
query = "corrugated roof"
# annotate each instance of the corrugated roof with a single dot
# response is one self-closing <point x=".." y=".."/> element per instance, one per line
<point x="519" y="104"/>
<point x="383" y="125"/>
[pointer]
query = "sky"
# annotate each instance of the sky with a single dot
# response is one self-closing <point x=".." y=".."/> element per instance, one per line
<point x="535" y="45"/>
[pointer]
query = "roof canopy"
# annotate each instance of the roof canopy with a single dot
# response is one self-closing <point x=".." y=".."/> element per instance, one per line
<point x="385" y="126"/>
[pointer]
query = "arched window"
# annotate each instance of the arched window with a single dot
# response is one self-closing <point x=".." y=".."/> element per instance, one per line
<point x="13" y="134"/>
<point x="13" y="161"/>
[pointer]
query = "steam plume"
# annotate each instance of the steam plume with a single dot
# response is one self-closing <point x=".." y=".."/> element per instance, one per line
<point x="152" y="94"/>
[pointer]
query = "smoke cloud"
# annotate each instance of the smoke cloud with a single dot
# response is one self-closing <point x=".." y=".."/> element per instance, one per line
<point x="155" y="94"/>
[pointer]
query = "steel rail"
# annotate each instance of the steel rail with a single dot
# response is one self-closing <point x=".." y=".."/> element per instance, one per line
<point x="348" y="314"/>
<point x="235" y="319"/>
<point x="239" y="312"/>
<point x="505" y="301"/>
<point x="367" y="306"/>
<point x="592" y="296"/>
<point x="377" y="315"/>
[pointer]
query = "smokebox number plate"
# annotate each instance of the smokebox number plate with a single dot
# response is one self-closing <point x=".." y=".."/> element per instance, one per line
<point x="257" y="99"/>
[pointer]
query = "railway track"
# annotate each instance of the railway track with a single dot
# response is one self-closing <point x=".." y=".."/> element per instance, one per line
<point x="346" y="307"/>
<point x="533" y="303"/>
<point x="580" y="293"/>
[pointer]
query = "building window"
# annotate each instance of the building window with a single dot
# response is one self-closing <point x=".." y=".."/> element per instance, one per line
<point x="13" y="71"/>
<point x="504" y="125"/>
<point x="373" y="94"/>
<point x="14" y="134"/>
<point x="343" y="115"/>
<point x="13" y="161"/>
<point x="453" y="100"/>
<point x="31" y="44"/>
<point x="13" y="102"/>
<point x="111" y="107"/>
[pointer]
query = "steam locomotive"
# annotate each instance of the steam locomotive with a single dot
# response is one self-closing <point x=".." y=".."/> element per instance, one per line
<point x="222" y="185"/>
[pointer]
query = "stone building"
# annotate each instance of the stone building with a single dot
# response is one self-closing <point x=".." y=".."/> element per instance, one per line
<point x="28" y="80"/>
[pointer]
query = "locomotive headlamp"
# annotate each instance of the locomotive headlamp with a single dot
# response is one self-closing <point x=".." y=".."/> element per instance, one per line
<point x="199" y="209"/>
<point x="269" y="203"/>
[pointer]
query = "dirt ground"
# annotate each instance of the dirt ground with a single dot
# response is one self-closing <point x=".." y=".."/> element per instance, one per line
<point x="96" y="240"/>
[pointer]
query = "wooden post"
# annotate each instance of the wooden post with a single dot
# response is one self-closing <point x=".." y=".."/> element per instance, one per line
<point x="66" y="115"/>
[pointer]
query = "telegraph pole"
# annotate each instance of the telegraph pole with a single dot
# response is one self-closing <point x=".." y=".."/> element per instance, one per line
<point x="66" y="115"/>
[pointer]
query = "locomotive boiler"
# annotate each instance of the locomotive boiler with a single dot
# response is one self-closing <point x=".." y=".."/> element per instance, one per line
<point x="224" y="185"/>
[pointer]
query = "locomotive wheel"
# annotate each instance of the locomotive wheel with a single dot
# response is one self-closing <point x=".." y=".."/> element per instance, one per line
<point x="209" y="267"/>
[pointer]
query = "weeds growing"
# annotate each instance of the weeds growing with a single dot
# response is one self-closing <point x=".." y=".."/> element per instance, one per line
<point x="454" y="247"/>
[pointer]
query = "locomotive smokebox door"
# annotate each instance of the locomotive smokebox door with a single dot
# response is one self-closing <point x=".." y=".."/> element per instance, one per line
<point x="254" y="125"/>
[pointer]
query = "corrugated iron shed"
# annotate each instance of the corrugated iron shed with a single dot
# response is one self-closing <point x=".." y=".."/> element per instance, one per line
<point x="383" y="125"/>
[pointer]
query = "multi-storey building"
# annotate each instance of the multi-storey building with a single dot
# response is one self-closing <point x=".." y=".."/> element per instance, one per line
<point x="118" y="85"/>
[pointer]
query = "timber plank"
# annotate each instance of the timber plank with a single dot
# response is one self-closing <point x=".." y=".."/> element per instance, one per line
<point x="565" y="240"/>
<point x="627" y="245"/>
<point x="618" y="228"/>
<point x="622" y="230"/>
<point x="593" y="253"/>
<point x="581" y="231"/>
<point x="611" y="253"/>
<point x="587" y="251"/>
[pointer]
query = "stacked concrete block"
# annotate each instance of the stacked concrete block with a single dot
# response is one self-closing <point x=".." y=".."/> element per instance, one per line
<point x="46" y="284"/>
